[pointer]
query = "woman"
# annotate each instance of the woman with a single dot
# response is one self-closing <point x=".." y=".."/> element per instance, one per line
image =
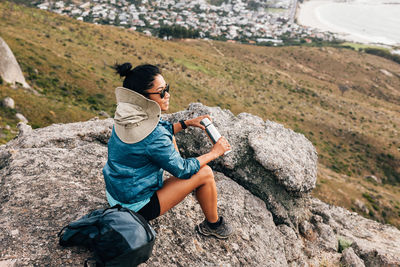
<point x="142" y="146"/>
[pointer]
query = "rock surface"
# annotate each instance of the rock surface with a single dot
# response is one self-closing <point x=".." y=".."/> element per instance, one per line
<point x="274" y="163"/>
<point x="63" y="181"/>
<point x="52" y="176"/>
<point x="289" y="156"/>
<point x="10" y="71"/>
<point x="350" y="259"/>
<point x="376" y="244"/>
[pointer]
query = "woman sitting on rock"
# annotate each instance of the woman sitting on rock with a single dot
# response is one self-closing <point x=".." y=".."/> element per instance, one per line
<point x="142" y="146"/>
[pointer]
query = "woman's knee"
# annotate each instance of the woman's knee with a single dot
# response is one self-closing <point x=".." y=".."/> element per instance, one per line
<point x="206" y="173"/>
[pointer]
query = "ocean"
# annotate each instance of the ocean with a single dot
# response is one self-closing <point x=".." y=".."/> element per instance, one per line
<point x="365" y="21"/>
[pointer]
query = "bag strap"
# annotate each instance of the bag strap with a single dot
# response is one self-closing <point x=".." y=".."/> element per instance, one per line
<point x="95" y="260"/>
<point x="84" y="222"/>
<point x="59" y="233"/>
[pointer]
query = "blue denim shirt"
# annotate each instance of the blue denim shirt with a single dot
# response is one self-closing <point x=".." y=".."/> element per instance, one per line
<point x="133" y="172"/>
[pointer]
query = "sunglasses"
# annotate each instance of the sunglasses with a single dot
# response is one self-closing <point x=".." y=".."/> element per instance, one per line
<point x="162" y="92"/>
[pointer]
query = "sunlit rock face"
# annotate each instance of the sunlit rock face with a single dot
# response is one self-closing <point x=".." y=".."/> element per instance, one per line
<point x="10" y="71"/>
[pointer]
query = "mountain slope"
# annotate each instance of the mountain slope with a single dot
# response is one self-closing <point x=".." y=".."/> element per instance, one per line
<point x="355" y="130"/>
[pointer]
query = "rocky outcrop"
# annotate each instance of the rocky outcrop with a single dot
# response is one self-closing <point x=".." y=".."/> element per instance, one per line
<point x="376" y="244"/>
<point x="10" y="71"/>
<point x="274" y="163"/>
<point x="51" y="176"/>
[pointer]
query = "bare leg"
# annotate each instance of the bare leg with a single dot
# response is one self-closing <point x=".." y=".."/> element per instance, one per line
<point x="175" y="190"/>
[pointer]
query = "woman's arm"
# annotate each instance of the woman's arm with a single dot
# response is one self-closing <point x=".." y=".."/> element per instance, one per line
<point x="175" y="145"/>
<point x="192" y="122"/>
<point x="220" y="147"/>
<point x="162" y="152"/>
<point x="178" y="127"/>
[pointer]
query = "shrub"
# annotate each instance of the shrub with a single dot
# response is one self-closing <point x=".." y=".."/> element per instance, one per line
<point x="383" y="53"/>
<point x="343" y="244"/>
<point x="177" y="31"/>
<point x="368" y="197"/>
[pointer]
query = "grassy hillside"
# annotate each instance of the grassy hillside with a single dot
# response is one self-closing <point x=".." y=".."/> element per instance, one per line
<point x="355" y="130"/>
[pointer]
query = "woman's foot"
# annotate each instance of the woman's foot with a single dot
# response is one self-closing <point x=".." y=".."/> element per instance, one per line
<point x="221" y="230"/>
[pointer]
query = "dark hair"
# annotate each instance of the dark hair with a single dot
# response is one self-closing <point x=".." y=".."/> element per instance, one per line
<point x="138" y="79"/>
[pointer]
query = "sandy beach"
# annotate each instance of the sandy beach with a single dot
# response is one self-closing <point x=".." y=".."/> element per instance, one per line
<point x="307" y="15"/>
<point x="359" y="21"/>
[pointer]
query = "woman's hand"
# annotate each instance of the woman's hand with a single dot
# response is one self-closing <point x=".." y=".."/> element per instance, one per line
<point x="196" y="121"/>
<point x="221" y="146"/>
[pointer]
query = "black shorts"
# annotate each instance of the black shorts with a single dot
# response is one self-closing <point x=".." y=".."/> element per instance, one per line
<point x="152" y="209"/>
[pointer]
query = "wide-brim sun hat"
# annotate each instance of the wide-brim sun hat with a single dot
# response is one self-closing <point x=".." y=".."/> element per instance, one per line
<point x="135" y="117"/>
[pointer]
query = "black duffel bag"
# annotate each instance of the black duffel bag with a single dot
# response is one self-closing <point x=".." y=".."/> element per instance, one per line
<point x="116" y="235"/>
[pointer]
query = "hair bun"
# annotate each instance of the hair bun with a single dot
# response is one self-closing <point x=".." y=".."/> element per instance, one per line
<point x="124" y="69"/>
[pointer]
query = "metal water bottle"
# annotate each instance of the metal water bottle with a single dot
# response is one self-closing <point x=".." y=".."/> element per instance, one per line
<point x="211" y="131"/>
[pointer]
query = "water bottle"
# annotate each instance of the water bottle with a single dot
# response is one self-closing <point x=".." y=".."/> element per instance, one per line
<point x="211" y="131"/>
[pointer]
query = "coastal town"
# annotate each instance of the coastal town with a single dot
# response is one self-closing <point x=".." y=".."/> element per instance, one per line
<point x="262" y="22"/>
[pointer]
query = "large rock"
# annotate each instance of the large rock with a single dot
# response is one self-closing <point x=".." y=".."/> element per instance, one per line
<point x="376" y="244"/>
<point x="52" y="176"/>
<point x="8" y="102"/>
<point x="274" y="163"/>
<point x="257" y="241"/>
<point x="10" y="71"/>
<point x="350" y="259"/>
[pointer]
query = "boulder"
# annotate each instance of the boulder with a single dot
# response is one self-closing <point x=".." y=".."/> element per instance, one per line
<point x="376" y="244"/>
<point x="361" y="206"/>
<point x="52" y="176"/>
<point x="104" y="114"/>
<point x="10" y="71"/>
<point x="373" y="178"/>
<point x="256" y="242"/>
<point x="350" y="259"/>
<point x="8" y="102"/>
<point x="274" y="163"/>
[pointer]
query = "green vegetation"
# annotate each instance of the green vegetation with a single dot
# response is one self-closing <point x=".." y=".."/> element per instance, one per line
<point x="276" y="10"/>
<point x="192" y="66"/>
<point x="383" y="53"/>
<point x="355" y="131"/>
<point x="217" y="2"/>
<point x="357" y="46"/>
<point x="177" y="31"/>
<point x="343" y="244"/>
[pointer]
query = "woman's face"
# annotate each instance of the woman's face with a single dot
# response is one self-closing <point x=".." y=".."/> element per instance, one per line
<point x="159" y="85"/>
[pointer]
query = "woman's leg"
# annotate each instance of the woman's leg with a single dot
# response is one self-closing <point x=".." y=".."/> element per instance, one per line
<point x="175" y="190"/>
